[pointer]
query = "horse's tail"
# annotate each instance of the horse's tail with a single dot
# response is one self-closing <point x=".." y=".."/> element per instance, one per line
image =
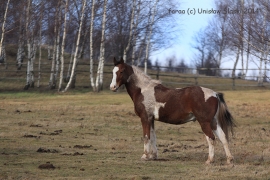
<point x="225" y="118"/>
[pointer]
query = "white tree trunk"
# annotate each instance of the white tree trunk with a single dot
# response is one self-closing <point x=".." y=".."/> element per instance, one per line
<point x="99" y="79"/>
<point x="130" y="31"/>
<point x="3" y="29"/>
<point x="40" y="43"/>
<point x="135" y="35"/>
<point x="57" y="56"/>
<point x="32" y="60"/>
<point x="49" y="52"/>
<point x="77" y="48"/>
<point x="242" y="42"/>
<point x="235" y="63"/>
<point x="2" y="55"/>
<point x="260" y="78"/>
<point x="263" y="52"/>
<point x="27" y="32"/>
<point x="248" y="52"/>
<point x="267" y="44"/>
<point x="52" y="82"/>
<point x="148" y="45"/>
<point x="91" y="46"/>
<point x="63" y="48"/>
<point x="20" y="52"/>
<point x="39" y="59"/>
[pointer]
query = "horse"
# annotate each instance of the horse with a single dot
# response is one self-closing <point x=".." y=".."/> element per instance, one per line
<point x="153" y="101"/>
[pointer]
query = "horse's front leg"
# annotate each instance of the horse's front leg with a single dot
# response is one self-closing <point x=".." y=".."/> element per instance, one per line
<point x="149" y="137"/>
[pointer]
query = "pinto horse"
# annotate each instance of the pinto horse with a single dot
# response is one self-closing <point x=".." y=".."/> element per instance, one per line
<point x="153" y="101"/>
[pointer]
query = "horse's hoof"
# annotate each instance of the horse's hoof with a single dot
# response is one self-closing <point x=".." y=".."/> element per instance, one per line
<point x="230" y="160"/>
<point x="148" y="157"/>
<point x="153" y="156"/>
<point x="208" y="162"/>
<point x="144" y="157"/>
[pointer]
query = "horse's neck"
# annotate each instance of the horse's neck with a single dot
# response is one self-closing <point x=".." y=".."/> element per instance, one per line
<point x="138" y="82"/>
<point x="132" y="89"/>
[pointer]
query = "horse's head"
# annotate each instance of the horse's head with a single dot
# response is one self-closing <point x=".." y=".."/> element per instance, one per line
<point x="120" y="74"/>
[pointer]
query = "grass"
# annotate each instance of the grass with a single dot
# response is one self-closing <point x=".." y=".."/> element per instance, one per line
<point x="84" y="135"/>
<point x="98" y="136"/>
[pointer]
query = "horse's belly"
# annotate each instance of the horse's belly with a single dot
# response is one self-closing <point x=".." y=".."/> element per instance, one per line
<point x="177" y="118"/>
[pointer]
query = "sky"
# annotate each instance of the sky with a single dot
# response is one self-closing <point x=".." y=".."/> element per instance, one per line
<point x="190" y="24"/>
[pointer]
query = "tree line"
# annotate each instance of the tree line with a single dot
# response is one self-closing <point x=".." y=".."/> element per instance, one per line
<point x="94" y="30"/>
<point x="241" y="32"/>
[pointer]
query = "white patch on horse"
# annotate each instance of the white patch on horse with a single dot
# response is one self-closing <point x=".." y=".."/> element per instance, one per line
<point x="150" y="148"/>
<point x="113" y="83"/>
<point x="208" y="93"/>
<point x="146" y="148"/>
<point x="147" y="85"/>
<point x="156" y="110"/>
<point x="211" y="150"/>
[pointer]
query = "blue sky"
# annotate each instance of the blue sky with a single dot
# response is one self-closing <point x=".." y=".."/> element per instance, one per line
<point x="189" y="25"/>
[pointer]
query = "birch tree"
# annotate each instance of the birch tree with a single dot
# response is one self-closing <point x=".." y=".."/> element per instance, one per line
<point x="77" y="48"/>
<point x="20" y="52"/>
<point x="3" y="35"/>
<point x="99" y="79"/>
<point x="265" y="48"/>
<point x="63" y="48"/>
<point x="130" y="31"/>
<point x="30" y="47"/>
<point x="148" y="45"/>
<point x="91" y="46"/>
<point x="135" y="34"/>
<point x="55" y="57"/>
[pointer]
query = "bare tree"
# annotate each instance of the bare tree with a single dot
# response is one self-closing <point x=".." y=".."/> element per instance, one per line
<point x="91" y="46"/>
<point x="30" y="47"/>
<point x="2" y="58"/>
<point x="99" y="79"/>
<point x="148" y="44"/>
<point x="77" y="48"/>
<point x="135" y="34"/>
<point x="63" y="48"/>
<point x="40" y="43"/>
<point x="201" y="46"/>
<point x="20" y="52"/>
<point x="130" y="30"/>
<point x="55" y="56"/>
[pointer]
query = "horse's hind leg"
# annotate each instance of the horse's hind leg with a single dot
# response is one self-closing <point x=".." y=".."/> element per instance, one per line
<point x="211" y="150"/>
<point x="206" y="128"/>
<point x="221" y="135"/>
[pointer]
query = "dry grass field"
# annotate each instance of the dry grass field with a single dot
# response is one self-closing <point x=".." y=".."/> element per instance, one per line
<point x="98" y="136"/>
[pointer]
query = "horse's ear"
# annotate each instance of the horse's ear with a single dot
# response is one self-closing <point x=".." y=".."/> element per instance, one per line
<point x="121" y="60"/>
<point x="114" y="61"/>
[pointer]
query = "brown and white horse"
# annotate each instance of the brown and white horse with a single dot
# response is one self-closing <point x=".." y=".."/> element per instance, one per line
<point x="153" y="101"/>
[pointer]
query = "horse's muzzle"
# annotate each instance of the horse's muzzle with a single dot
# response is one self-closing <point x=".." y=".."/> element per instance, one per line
<point x="114" y="88"/>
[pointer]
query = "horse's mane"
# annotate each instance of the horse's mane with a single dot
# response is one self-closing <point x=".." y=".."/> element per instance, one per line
<point x="142" y="79"/>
